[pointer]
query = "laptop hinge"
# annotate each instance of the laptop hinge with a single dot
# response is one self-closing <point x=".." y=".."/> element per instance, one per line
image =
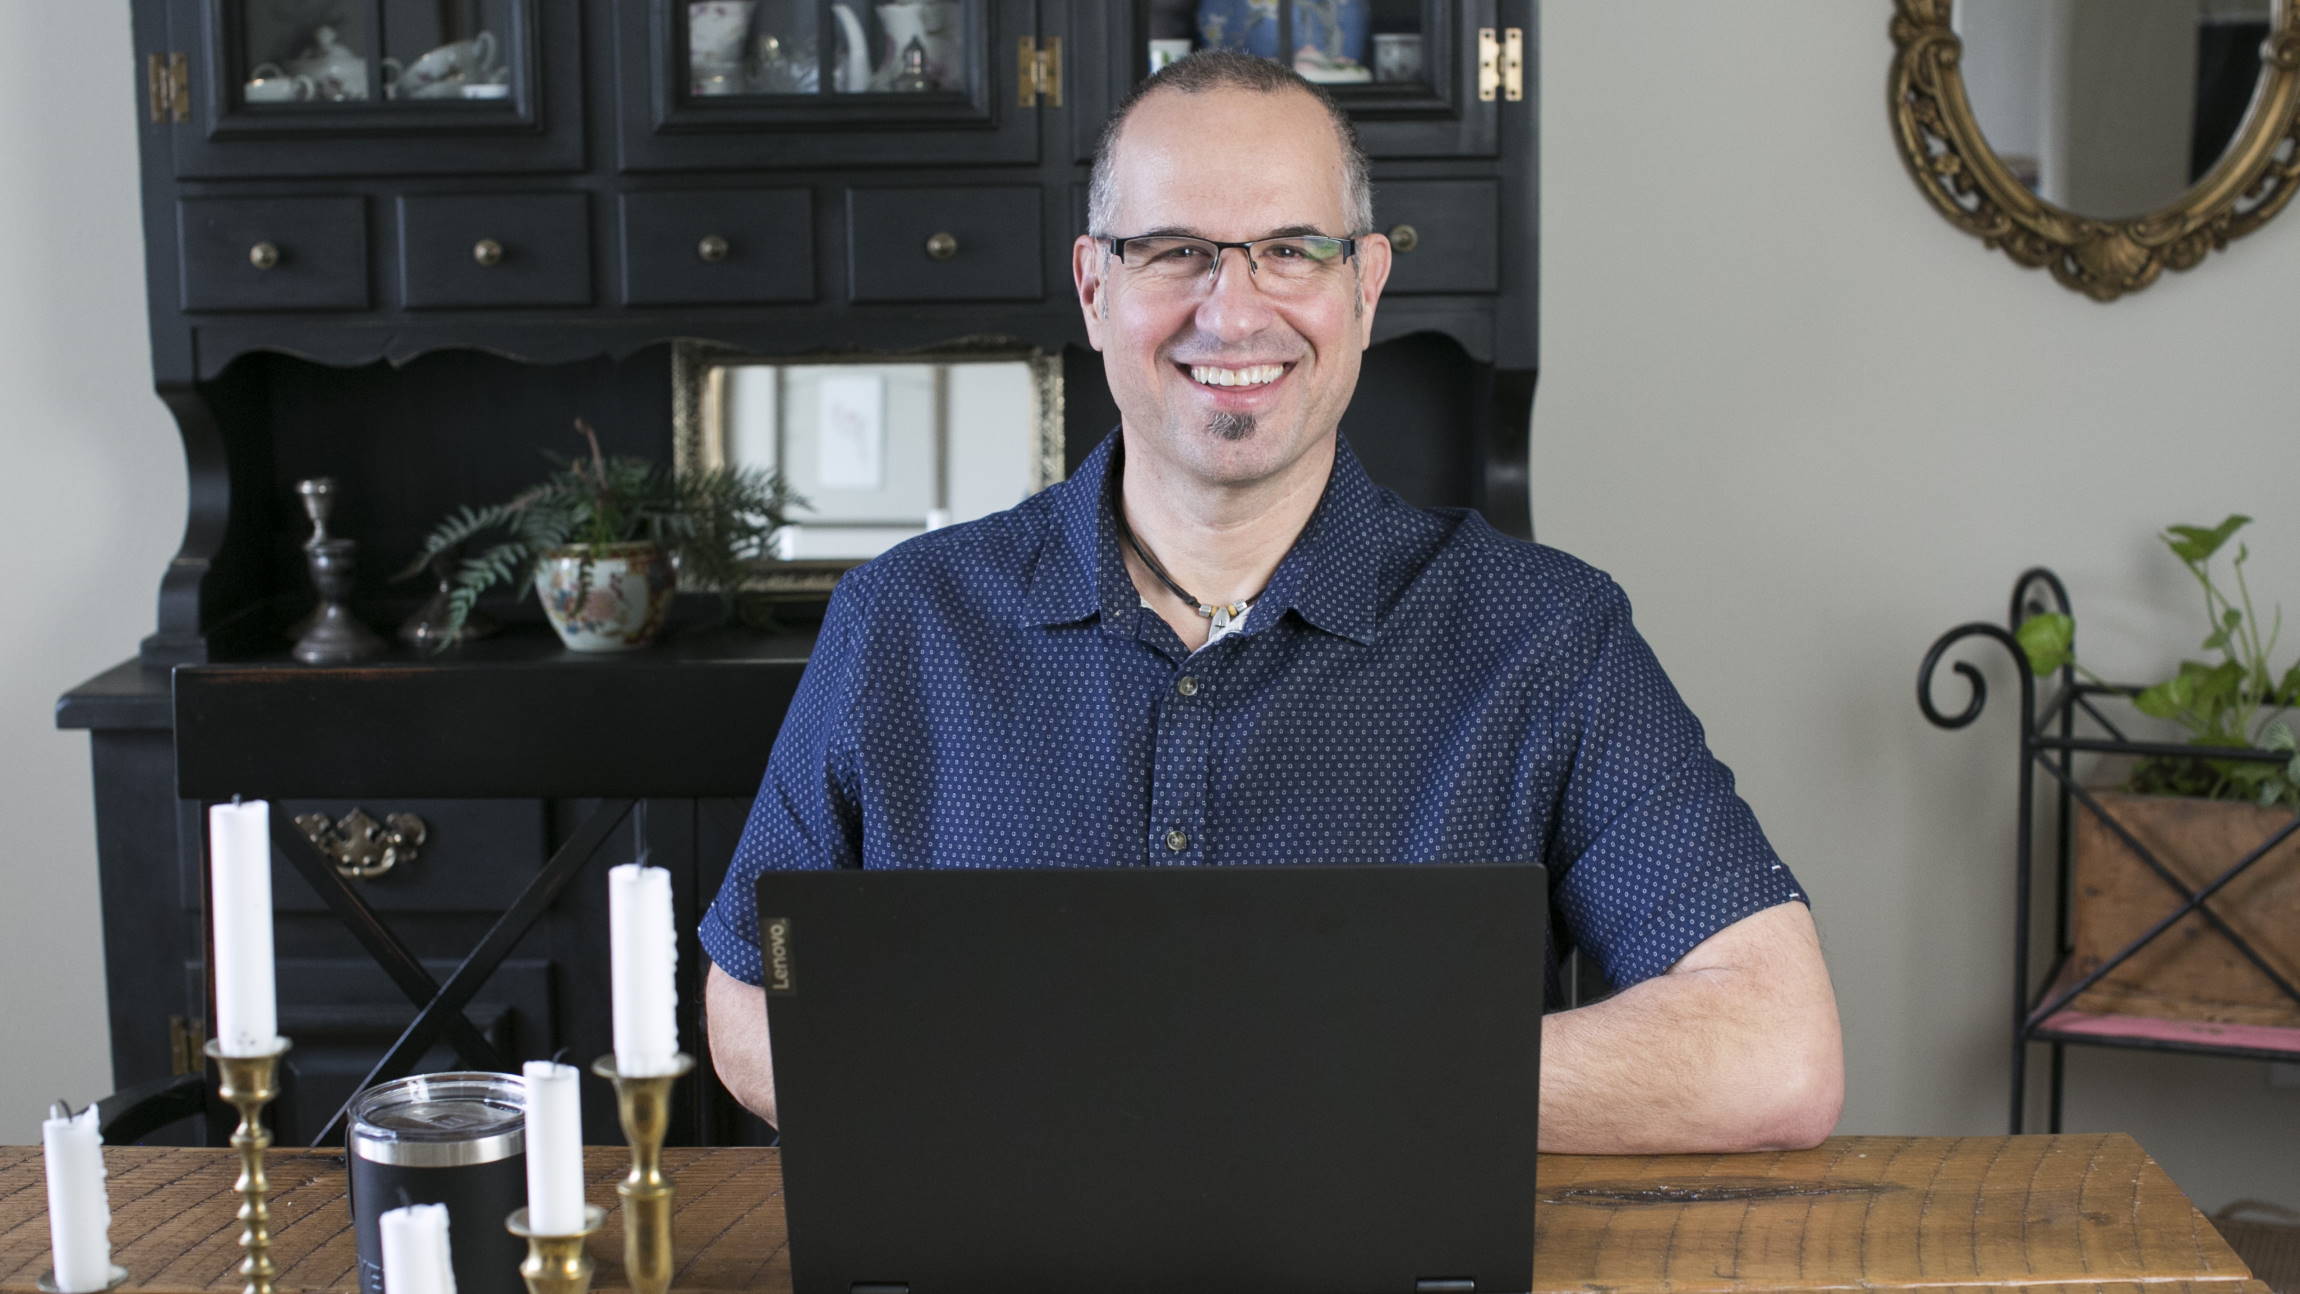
<point x="1445" y="1285"/>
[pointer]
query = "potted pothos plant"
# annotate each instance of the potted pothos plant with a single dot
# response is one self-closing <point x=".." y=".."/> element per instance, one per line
<point x="2196" y="814"/>
<point x="2233" y="700"/>
<point x="606" y="541"/>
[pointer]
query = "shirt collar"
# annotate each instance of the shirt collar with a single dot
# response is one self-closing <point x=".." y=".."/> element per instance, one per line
<point x="1328" y="577"/>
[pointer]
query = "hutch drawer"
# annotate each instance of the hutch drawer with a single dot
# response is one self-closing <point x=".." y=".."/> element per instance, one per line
<point x="273" y="253"/>
<point x="971" y="244"/>
<point x="718" y="246"/>
<point x="1455" y="243"/>
<point x="495" y="250"/>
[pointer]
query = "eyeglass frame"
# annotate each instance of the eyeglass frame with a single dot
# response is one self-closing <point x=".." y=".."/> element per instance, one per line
<point x="1116" y="246"/>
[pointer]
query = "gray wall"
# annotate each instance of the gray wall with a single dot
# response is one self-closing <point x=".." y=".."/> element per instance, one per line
<point x="1810" y="426"/>
<point x="97" y="492"/>
<point x="1807" y="424"/>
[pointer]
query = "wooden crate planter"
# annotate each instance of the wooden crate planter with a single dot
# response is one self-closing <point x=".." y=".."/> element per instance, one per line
<point x="2190" y="971"/>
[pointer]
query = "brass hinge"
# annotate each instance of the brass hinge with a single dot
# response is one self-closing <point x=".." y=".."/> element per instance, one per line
<point x="187" y="1045"/>
<point x="1488" y="64"/>
<point x="1513" y="63"/>
<point x="168" y="79"/>
<point x="1040" y="82"/>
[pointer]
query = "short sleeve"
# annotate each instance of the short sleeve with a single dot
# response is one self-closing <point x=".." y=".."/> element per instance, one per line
<point x="806" y="812"/>
<point x="1657" y="850"/>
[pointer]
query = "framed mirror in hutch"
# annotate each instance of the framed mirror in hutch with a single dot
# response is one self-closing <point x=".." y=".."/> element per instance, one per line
<point x="533" y="204"/>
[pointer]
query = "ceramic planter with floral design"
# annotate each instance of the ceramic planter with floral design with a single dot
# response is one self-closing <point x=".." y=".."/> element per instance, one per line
<point x="606" y="597"/>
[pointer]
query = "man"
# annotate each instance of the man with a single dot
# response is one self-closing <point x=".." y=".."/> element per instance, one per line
<point x="1220" y="643"/>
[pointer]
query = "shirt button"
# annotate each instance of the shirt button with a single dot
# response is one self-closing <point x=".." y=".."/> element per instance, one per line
<point x="1188" y="686"/>
<point x="1177" y="840"/>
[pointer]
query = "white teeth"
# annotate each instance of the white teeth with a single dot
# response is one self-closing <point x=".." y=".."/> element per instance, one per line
<point x="1258" y="375"/>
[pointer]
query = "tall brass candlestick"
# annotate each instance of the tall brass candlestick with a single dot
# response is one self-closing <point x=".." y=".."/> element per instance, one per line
<point x="645" y="1107"/>
<point x="556" y="1264"/>
<point x="249" y="1084"/>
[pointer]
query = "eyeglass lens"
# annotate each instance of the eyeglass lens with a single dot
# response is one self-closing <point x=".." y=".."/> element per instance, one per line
<point x="1277" y="263"/>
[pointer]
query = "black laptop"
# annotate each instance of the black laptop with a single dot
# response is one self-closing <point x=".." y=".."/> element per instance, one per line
<point x="1276" y="1080"/>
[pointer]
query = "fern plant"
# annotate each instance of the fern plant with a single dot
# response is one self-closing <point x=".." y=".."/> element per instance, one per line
<point x="714" y="522"/>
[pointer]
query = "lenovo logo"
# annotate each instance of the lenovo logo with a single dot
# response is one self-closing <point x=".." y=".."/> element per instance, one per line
<point x="778" y="950"/>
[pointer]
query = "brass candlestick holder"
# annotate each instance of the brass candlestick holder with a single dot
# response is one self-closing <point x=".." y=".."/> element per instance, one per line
<point x="556" y="1264"/>
<point x="645" y="1107"/>
<point x="249" y="1084"/>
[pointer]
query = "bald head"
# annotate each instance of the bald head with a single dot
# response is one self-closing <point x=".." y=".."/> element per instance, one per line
<point x="1221" y="69"/>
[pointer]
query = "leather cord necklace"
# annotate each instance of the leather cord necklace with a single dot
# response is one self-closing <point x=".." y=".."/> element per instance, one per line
<point x="1222" y="614"/>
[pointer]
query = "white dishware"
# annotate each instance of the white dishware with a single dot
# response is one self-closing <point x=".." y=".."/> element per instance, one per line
<point x="453" y="66"/>
<point x="268" y="83"/>
<point x="715" y="33"/>
<point x="337" y="72"/>
<point x="1397" y="56"/>
<point x="851" y="74"/>
<point x="934" y="24"/>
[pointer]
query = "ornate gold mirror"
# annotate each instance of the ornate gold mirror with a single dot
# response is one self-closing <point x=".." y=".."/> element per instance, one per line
<point x="2101" y="139"/>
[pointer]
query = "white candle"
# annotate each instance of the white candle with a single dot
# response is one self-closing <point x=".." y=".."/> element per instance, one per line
<point x="554" y="1150"/>
<point x="78" y="1213"/>
<point x="645" y="949"/>
<point x="240" y="914"/>
<point x="415" y="1256"/>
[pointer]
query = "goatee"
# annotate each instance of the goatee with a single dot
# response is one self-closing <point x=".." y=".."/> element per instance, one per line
<point x="1231" y="426"/>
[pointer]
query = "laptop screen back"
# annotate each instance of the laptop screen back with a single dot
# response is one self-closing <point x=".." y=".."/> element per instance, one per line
<point x="1212" y="1079"/>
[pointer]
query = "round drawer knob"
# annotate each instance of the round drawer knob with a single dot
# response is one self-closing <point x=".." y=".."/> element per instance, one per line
<point x="942" y="246"/>
<point x="487" y="252"/>
<point x="1405" y="238"/>
<point x="713" y="248"/>
<point x="264" y="255"/>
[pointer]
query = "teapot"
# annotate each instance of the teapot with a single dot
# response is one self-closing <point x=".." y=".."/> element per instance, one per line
<point x="335" y="69"/>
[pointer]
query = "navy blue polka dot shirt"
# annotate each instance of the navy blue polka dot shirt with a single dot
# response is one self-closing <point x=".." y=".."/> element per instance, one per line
<point x="1413" y="686"/>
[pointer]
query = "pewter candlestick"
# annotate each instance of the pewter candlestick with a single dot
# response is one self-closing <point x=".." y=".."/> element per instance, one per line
<point x="335" y="638"/>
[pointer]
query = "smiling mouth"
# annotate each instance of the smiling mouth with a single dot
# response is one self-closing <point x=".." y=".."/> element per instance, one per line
<point x="1250" y="375"/>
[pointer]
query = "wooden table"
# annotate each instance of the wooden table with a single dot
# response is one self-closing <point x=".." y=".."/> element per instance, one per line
<point x="1942" y="1213"/>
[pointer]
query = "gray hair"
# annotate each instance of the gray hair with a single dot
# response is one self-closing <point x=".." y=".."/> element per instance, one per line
<point x="1223" y="69"/>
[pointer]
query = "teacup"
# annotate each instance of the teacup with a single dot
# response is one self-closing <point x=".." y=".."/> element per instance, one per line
<point x="455" y="63"/>
<point x="269" y="84"/>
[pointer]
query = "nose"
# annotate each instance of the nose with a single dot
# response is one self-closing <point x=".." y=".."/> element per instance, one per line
<point x="1233" y="306"/>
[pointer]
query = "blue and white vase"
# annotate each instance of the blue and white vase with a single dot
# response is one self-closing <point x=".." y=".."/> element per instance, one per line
<point x="1250" y="26"/>
<point x="1329" y="35"/>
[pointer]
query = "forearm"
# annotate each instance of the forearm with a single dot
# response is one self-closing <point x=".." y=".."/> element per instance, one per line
<point x="1724" y="1057"/>
<point x="737" y="1017"/>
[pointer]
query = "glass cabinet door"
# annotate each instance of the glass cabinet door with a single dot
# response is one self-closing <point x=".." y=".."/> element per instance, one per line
<point x="328" y="85"/>
<point x="838" y="81"/>
<point x="1406" y="70"/>
<point x="312" y="57"/>
<point x="915" y="52"/>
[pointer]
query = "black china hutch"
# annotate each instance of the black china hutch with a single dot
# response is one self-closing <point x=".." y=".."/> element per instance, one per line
<point x="404" y="243"/>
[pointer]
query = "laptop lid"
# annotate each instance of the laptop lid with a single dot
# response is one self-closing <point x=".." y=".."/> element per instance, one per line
<point x="1206" y="1079"/>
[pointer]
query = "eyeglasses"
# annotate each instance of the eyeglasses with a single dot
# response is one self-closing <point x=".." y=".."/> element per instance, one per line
<point x="1294" y="265"/>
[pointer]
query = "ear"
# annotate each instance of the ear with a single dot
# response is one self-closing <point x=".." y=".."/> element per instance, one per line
<point x="1374" y="253"/>
<point x="1086" y="272"/>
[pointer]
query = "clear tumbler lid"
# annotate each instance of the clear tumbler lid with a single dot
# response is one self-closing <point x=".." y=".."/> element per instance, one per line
<point x="441" y="1120"/>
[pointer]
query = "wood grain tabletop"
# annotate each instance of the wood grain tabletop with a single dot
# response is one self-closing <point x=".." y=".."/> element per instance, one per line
<point x="1942" y="1214"/>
